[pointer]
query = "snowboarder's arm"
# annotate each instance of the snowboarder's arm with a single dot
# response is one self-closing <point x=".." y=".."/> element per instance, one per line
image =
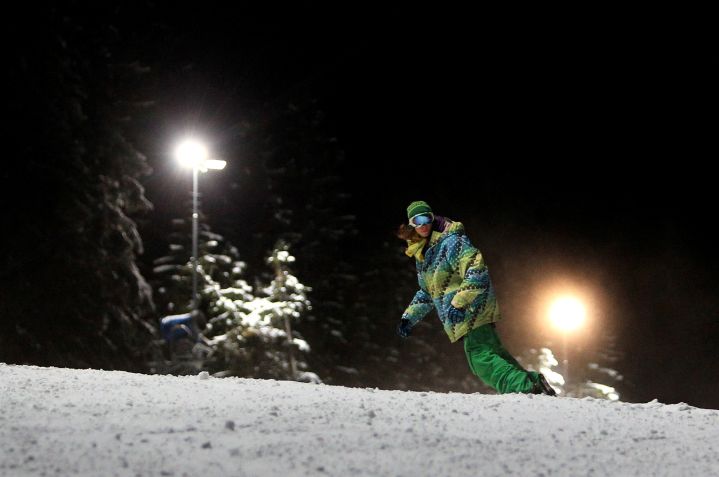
<point x="420" y="305"/>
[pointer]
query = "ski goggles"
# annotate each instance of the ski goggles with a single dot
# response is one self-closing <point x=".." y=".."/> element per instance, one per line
<point x="421" y="219"/>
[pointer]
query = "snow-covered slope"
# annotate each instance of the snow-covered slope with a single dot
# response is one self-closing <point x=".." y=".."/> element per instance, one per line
<point x="65" y="422"/>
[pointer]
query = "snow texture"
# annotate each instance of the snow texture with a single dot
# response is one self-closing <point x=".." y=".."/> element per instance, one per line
<point x="86" y="422"/>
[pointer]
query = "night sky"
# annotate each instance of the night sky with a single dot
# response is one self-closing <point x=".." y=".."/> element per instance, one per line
<point x="576" y="153"/>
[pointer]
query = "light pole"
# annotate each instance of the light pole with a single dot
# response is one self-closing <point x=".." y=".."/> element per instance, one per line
<point x="193" y="154"/>
<point x="567" y="313"/>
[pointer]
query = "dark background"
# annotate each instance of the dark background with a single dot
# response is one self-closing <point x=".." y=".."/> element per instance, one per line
<point x="576" y="150"/>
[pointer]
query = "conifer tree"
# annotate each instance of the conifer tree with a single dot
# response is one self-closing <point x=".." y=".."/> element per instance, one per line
<point x="588" y="377"/>
<point x="308" y="208"/>
<point x="257" y="339"/>
<point x="248" y="330"/>
<point x="74" y="180"/>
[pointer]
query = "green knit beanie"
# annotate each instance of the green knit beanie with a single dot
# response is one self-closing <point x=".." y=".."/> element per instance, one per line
<point x="418" y="207"/>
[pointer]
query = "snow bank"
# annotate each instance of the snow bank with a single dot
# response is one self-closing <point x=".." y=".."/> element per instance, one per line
<point x="64" y="422"/>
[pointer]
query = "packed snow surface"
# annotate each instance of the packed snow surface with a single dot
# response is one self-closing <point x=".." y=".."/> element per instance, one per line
<point x="65" y="422"/>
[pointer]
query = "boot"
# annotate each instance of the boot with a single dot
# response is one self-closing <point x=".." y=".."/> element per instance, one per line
<point x="541" y="386"/>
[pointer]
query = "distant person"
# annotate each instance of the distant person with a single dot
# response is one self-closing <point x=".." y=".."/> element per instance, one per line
<point x="454" y="280"/>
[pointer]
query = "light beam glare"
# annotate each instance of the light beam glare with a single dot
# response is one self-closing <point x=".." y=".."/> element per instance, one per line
<point x="567" y="313"/>
<point x="192" y="154"/>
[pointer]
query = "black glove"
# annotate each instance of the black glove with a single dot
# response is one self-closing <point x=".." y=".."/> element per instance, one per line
<point x="404" y="329"/>
<point x="455" y="315"/>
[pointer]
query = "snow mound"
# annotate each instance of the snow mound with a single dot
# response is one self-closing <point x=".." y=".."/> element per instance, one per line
<point x="88" y="422"/>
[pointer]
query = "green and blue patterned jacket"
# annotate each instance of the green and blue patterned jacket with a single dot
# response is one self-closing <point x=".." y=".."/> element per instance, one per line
<point x="452" y="271"/>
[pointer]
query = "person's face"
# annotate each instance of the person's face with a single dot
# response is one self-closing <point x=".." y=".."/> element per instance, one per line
<point x="422" y="223"/>
<point x="424" y="230"/>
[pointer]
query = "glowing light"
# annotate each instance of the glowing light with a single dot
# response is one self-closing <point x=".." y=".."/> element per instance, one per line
<point x="192" y="154"/>
<point x="567" y="313"/>
<point x="215" y="164"/>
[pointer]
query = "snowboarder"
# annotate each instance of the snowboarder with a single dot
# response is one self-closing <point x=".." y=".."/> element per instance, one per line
<point x="454" y="279"/>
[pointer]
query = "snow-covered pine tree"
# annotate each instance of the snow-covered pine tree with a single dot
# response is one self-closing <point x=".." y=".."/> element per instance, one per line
<point x="289" y="298"/>
<point x="247" y="334"/>
<point x="71" y="292"/>
<point x="600" y="377"/>
<point x="257" y="339"/>
<point x="220" y="271"/>
<point x="586" y="373"/>
<point x="221" y="290"/>
<point x="308" y="207"/>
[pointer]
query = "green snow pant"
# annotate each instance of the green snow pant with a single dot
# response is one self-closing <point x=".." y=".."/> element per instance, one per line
<point x="493" y="364"/>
